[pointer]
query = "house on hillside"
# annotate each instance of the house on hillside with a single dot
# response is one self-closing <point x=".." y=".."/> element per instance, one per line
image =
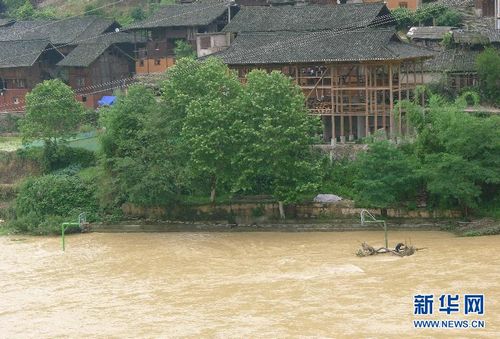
<point x="453" y="68"/>
<point x="97" y="67"/>
<point x="86" y="52"/>
<point x="176" y="22"/>
<point x="23" y="64"/>
<point x="348" y="60"/>
<point x="429" y="36"/>
<point x="64" y="34"/>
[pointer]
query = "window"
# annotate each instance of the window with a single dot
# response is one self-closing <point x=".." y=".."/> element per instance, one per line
<point x="403" y="5"/>
<point x="20" y="83"/>
<point x="84" y="98"/>
<point x="205" y="42"/>
<point x="157" y="62"/>
<point x="80" y="81"/>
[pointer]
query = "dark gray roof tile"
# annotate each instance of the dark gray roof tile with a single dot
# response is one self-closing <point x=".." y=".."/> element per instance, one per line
<point x="66" y="31"/>
<point x="86" y="53"/>
<point x="429" y="32"/>
<point x="324" y="46"/>
<point x="200" y="13"/>
<point x="23" y="53"/>
<point x="452" y="61"/>
<point x="309" y="17"/>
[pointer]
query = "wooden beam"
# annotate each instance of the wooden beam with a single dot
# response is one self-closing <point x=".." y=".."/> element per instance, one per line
<point x="367" y="126"/>
<point x="317" y="83"/>
<point x="332" y="96"/>
<point x="399" y="101"/>
<point x="375" y="99"/>
<point x="341" y="94"/>
<point x="391" y="103"/>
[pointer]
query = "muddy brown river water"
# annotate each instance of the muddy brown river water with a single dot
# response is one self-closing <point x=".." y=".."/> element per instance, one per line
<point x="239" y="285"/>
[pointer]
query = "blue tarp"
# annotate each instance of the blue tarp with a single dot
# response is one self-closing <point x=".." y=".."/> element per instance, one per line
<point x="107" y="100"/>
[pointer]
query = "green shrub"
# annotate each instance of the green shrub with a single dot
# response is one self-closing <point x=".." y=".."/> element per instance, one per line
<point x="57" y="157"/>
<point x="404" y="17"/>
<point x="488" y="69"/>
<point x="137" y="14"/>
<point x="55" y="195"/>
<point x="449" y="17"/>
<point x="10" y="123"/>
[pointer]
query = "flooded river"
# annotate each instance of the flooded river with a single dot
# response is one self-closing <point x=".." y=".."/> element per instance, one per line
<point x="239" y="285"/>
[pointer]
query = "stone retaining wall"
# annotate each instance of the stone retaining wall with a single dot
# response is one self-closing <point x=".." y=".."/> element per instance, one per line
<point x="265" y="213"/>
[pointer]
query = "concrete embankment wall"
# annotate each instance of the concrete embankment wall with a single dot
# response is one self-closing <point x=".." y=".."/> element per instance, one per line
<point x="268" y="212"/>
<point x="246" y="216"/>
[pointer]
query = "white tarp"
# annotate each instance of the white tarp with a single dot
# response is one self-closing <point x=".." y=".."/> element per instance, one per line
<point x="327" y="198"/>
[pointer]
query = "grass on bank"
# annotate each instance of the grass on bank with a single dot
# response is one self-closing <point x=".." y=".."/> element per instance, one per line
<point x="10" y="144"/>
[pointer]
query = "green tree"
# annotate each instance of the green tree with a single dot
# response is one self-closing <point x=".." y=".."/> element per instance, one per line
<point x="26" y="11"/>
<point x="276" y="135"/>
<point x="428" y="13"/>
<point x="199" y="110"/>
<point x="448" y="41"/>
<point x="404" y="17"/>
<point x="488" y="69"/>
<point x="52" y="113"/>
<point x="208" y="132"/>
<point x="385" y="177"/>
<point x="137" y="14"/>
<point x="184" y="49"/>
<point x="459" y="153"/>
<point x="449" y="17"/>
<point x="134" y="156"/>
<point x="453" y="180"/>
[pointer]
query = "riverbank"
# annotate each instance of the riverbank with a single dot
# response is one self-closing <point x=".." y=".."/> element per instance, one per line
<point x="337" y="225"/>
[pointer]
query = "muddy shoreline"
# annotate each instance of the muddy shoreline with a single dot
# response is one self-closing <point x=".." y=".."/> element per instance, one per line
<point x="278" y="226"/>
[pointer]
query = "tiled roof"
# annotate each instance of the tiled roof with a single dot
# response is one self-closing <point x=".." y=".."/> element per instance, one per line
<point x="324" y="46"/>
<point x="66" y="31"/>
<point x="309" y="17"/>
<point x="429" y="32"/>
<point x="23" y="53"/>
<point x="452" y="60"/>
<point x="86" y="53"/>
<point x="200" y="13"/>
<point x="483" y="37"/>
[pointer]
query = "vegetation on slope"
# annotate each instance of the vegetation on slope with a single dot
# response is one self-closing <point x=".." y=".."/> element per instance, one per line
<point x="123" y="11"/>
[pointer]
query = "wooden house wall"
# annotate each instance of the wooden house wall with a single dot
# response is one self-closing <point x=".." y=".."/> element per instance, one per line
<point x="410" y="4"/>
<point x="100" y="78"/>
<point x="353" y="100"/>
<point x="158" y="54"/>
<point x="485" y="7"/>
<point x="12" y="99"/>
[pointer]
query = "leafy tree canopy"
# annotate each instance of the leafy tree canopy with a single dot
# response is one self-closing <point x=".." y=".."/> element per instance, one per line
<point x="52" y="112"/>
<point x="275" y="138"/>
<point x="488" y="69"/>
<point x="385" y="176"/>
